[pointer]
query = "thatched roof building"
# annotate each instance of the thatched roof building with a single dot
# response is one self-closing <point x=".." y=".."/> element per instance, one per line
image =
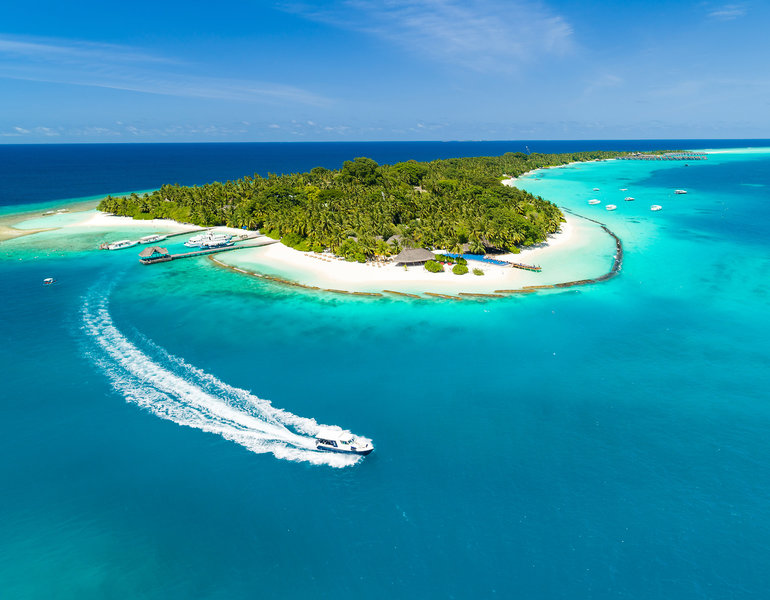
<point x="154" y="251"/>
<point x="413" y="256"/>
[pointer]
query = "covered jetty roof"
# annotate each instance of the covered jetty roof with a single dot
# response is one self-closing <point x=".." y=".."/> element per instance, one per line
<point x="147" y="252"/>
<point x="414" y="255"/>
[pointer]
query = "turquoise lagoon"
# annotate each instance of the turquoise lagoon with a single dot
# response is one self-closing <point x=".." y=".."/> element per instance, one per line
<point x="607" y="441"/>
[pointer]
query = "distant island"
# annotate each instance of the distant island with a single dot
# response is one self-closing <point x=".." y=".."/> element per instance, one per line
<point x="366" y="209"/>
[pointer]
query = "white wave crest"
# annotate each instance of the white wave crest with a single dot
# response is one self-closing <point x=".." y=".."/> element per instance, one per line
<point x="175" y="390"/>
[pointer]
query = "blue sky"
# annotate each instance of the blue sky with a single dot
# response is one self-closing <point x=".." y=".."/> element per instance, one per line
<point x="96" y="71"/>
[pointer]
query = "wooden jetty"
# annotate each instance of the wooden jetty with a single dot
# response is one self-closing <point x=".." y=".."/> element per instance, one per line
<point x="186" y="232"/>
<point x="533" y="268"/>
<point x="668" y="156"/>
<point x="157" y="254"/>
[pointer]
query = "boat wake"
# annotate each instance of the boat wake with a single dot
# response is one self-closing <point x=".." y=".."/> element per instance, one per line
<point x="166" y="385"/>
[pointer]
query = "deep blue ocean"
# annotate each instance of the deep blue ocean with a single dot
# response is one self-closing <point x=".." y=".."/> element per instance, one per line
<point x="608" y="441"/>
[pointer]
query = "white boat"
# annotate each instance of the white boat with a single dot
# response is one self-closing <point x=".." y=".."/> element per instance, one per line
<point x="594" y="201"/>
<point x="629" y="198"/>
<point x="196" y="240"/>
<point x="150" y="239"/>
<point x="656" y="207"/>
<point x="680" y="191"/>
<point x="610" y="207"/>
<point x="596" y="189"/>
<point x="48" y="281"/>
<point x="217" y="241"/>
<point x="623" y="189"/>
<point x="119" y="245"/>
<point x="336" y="439"/>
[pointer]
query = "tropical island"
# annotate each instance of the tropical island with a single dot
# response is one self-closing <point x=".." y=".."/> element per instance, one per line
<point x="364" y="209"/>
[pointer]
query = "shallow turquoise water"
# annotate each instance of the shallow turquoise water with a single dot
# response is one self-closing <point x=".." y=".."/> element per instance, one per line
<point x="602" y="442"/>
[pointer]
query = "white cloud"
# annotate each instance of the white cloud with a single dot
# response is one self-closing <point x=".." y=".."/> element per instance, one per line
<point x="728" y="12"/>
<point x="122" y="68"/>
<point x="483" y="35"/>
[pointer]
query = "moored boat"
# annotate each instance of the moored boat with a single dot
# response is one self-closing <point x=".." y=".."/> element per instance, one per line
<point x="216" y="241"/>
<point x="594" y="201"/>
<point x="629" y="198"/>
<point x="196" y="240"/>
<point x="655" y="207"/>
<point x="119" y="245"/>
<point x="336" y="439"/>
<point x="610" y="207"/>
<point x="680" y="191"/>
<point x="150" y="239"/>
<point x="596" y="189"/>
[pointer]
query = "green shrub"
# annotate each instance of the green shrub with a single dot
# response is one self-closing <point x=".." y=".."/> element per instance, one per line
<point x="433" y="267"/>
<point x="461" y="261"/>
<point x="460" y="269"/>
<point x="296" y="241"/>
<point x="478" y="272"/>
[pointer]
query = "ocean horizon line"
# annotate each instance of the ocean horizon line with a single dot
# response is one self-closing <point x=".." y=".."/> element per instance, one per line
<point x="373" y="141"/>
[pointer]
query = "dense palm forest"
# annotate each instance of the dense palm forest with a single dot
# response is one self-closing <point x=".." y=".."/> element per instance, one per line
<point x="366" y="209"/>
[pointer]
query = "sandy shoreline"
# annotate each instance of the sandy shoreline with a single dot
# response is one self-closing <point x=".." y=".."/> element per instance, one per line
<point x="557" y="255"/>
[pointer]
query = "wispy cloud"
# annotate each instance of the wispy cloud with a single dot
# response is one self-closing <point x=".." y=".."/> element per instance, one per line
<point x="483" y="35"/>
<point x="124" y="68"/>
<point x="727" y="12"/>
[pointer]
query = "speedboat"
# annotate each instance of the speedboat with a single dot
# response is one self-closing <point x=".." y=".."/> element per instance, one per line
<point x="610" y="207"/>
<point x="596" y="189"/>
<point x="629" y="198"/>
<point x="336" y="439"/>
<point x="48" y="281"/>
<point x="119" y="245"/>
<point x="655" y="207"/>
<point x="150" y="239"/>
<point x="594" y="201"/>
<point x="623" y="189"/>
<point x="680" y="191"/>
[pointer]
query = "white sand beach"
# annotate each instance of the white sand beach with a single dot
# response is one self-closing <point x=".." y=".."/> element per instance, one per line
<point x="579" y="250"/>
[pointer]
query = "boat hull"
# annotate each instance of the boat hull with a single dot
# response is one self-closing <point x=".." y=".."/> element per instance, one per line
<point x="341" y="451"/>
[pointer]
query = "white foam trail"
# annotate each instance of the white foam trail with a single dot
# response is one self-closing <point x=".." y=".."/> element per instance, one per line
<point x="186" y="395"/>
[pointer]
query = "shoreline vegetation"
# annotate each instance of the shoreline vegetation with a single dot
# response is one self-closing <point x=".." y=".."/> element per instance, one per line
<point x="365" y="211"/>
<point x="482" y="193"/>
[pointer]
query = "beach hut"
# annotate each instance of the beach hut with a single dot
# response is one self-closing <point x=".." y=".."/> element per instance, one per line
<point x="153" y="254"/>
<point x="413" y="256"/>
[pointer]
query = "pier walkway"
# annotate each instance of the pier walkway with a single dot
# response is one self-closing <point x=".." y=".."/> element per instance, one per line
<point x="159" y="255"/>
